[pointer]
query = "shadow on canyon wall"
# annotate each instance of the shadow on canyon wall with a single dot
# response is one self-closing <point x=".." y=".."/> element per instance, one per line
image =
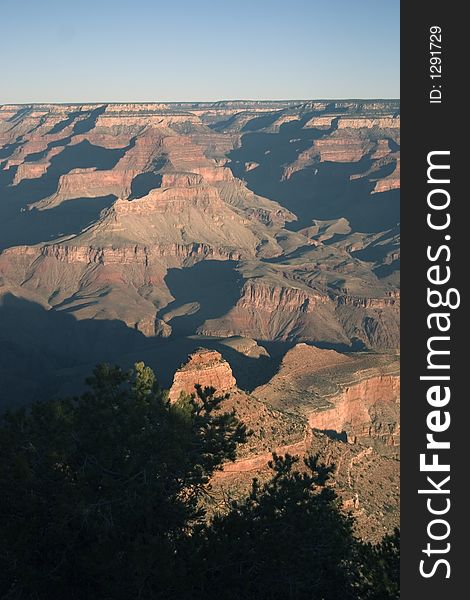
<point x="205" y="291"/>
<point x="16" y="219"/>
<point x="49" y="353"/>
<point x="68" y="218"/>
<point x="8" y="149"/>
<point x="82" y="126"/>
<point x="46" y="353"/>
<point x="143" y="183"/>
<point x="322" y="191"/>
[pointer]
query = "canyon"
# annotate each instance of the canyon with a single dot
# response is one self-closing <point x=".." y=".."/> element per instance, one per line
<point x="252" y="246"/>
<point x="107" y="210"/>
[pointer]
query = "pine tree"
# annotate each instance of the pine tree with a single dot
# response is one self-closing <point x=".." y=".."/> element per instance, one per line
<point x="96" y="491"/>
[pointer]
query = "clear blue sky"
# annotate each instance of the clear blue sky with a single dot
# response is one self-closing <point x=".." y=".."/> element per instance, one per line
<point x="141" y="50"/>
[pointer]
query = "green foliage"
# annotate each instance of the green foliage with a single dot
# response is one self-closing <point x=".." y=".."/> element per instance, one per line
<point x="287" y="539"/>
<point x="380" y="572"/>
<point x="100" y="498"/>
<point x="95" y="491"/>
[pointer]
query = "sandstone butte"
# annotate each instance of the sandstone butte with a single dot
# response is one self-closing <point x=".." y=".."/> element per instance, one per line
<point x="206" y="368"/>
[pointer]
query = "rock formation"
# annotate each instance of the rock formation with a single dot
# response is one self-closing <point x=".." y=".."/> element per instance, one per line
<point x="367" y="409"/>
<point x="206" y="368"/>
<point x="351" y="397"/>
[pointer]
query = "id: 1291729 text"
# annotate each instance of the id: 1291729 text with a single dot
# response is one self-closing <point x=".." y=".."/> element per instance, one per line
<point x="435" y="64"/>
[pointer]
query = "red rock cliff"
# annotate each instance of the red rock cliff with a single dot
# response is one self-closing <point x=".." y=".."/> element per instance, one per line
<point x="205" y="367"/>
<point x="368" y="409"/>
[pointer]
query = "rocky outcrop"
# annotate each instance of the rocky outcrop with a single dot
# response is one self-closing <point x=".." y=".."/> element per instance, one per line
<point x="174" y="254"/>
<point x="206" y="368"/>
<point x="246" y="346"/>
<point x="267" y="310"/>
<point x="368" y="123"/>
<point x="320" y="122"/>
<point x="181" y="180"/>
<point x="367" y="409"/>
<point x="390" y="182"/>
<point x="354" y="393"/>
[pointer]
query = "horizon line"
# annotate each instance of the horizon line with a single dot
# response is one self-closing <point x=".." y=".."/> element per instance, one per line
<point x="300" y="100"/>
